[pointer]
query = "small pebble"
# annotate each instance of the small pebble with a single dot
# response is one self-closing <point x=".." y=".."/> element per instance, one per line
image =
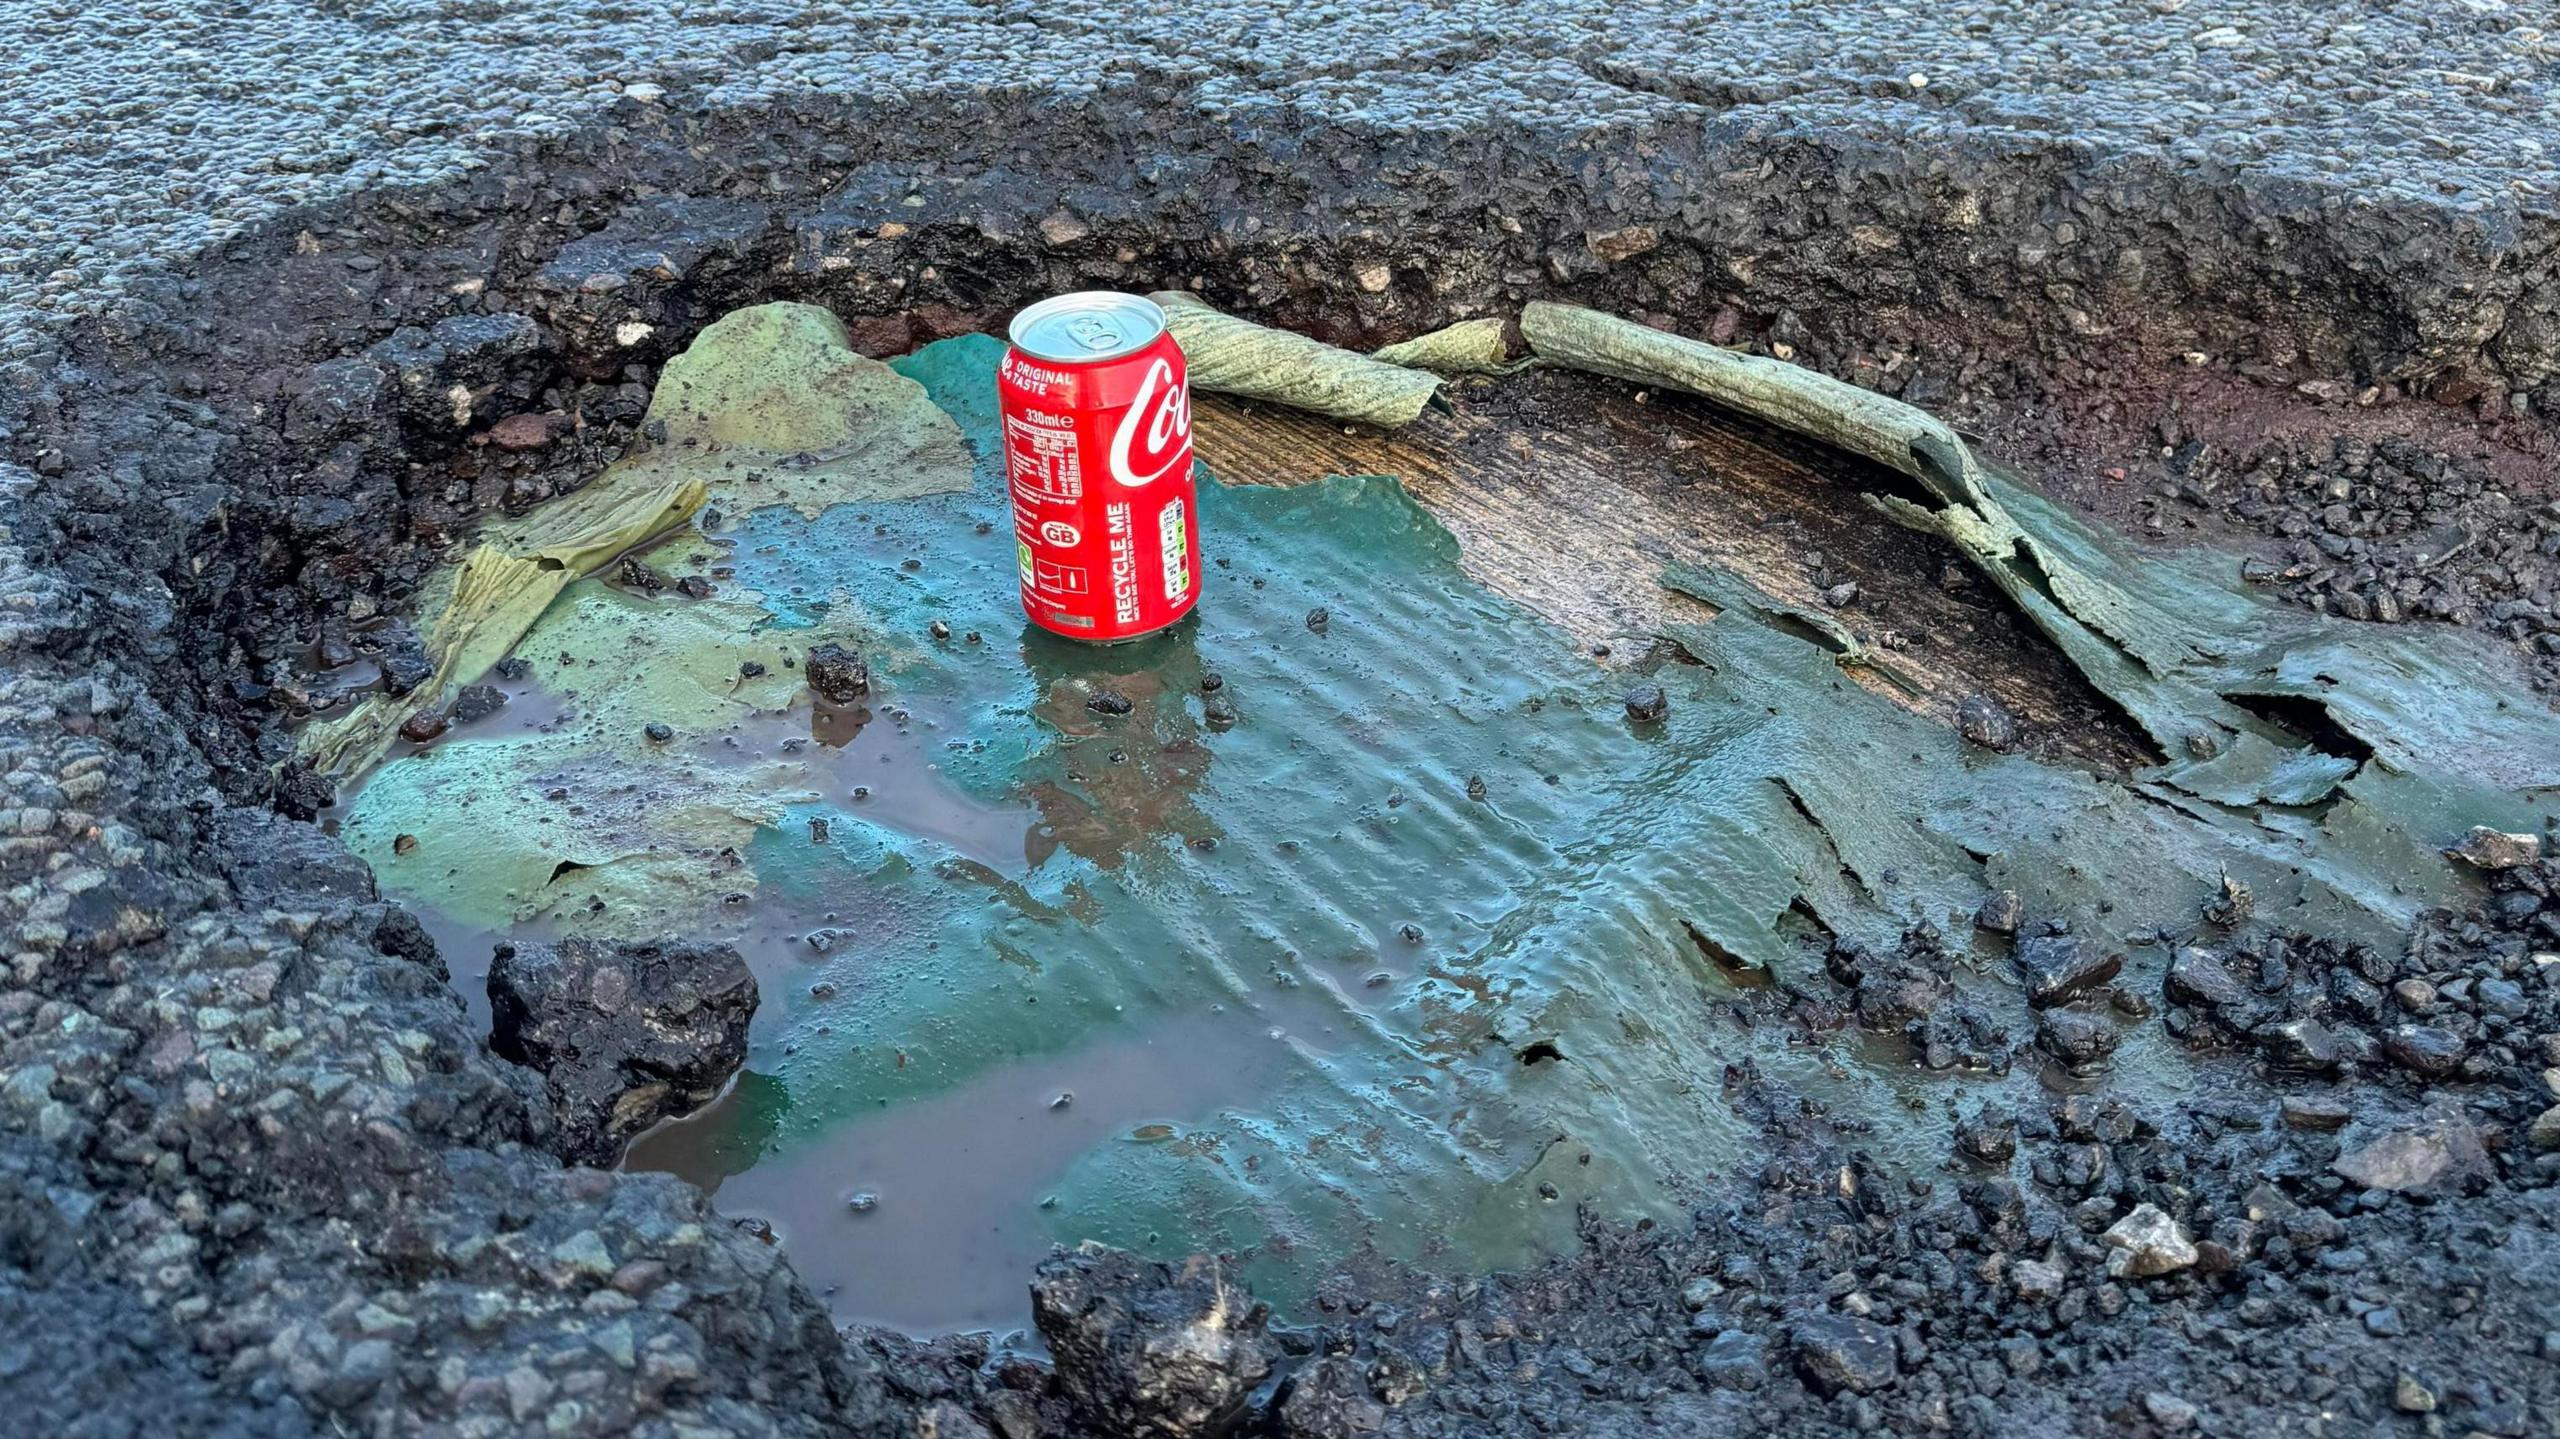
<point x="2002" y="913"/>
<point x="1647" y="704"/>
<point x="1988" y="723"/>
<point x="477" y="702"/>
<point x="659" y="732"/>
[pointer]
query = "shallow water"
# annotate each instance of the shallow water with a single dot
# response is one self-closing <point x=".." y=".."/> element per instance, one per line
<point x="1314" y="999"/>
<point x="931" y="1213"/>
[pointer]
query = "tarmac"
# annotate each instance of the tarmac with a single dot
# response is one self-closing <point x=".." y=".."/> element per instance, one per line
<point x="259" y="1172"/>
<point x="136" y="136"/>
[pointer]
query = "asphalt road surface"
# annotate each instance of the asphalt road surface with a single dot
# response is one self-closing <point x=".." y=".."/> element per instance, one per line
<point x="134" y="135"/>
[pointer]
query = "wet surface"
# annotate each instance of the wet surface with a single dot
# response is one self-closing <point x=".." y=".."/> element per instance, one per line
<point x="929" y="1215"/>
<point x="1568" y="493"/>
<point x="1423" y="945"/>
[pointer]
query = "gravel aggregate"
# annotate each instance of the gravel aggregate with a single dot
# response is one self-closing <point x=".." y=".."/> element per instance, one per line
<point x="138" y="135"/>
<point x="253" y="253"/>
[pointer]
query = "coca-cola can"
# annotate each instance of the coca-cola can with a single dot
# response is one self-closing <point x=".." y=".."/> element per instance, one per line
<point x="1096" y="407"/>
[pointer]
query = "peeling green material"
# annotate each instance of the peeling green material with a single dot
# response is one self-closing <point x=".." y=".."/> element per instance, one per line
<point x="584" y="820"/>
<point x="1022" y="885"/>
<point x="485" y="605"/>
<point x="1469" y="347"/>
<point x="1238" y="357"/>
<point x="2180" y="648"/>
<point x="1730" y="592"/>
<point x="768" y="406"/>
<point x="771" y="405"/>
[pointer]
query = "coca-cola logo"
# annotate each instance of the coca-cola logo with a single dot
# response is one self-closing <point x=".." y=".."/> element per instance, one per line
<point x="1155" y="434"/>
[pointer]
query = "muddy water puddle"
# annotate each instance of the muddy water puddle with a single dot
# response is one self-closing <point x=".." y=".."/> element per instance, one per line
<point x="931" y="1214"/>
<point x="1413" y="945"/>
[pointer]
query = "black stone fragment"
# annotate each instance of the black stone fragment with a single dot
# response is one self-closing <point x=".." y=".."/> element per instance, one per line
<point x="1987" y="722"/>
<point x="1148" y="1349"/>
<point x="2199" y="977"/>
<point x="2075" y="1038"/>
<point x="1836" y="1353"/>
<point x="2424" y="1050"/>
<point x="302" y="792"/>
<point x="624" y="1034"/>
<point x="478" y="702"/>
<point x="2058" y="967"/>
<point x="2001" y="913"/>
<point x="405" y="665"/>
<point x="837" y="673"/>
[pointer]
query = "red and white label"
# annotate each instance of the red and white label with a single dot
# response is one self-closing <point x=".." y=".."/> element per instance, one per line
<point x="1155" y="432"/>
<point x="1105" y="520"/>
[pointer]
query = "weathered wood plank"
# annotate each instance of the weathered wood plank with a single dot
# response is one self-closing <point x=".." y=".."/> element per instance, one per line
<point x="1569" y="493"/>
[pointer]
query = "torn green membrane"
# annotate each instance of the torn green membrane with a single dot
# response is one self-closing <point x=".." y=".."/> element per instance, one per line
<point x="1238" y="357"/>
<point x="771" y="405"/>
<point x="1313" y="995"/>
<point x="586" y="820"/>
<point x="2173" y="639"/>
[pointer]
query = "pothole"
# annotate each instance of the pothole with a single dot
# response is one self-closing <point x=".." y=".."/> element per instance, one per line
<point x="1227" y="966"/>
<point x="2130" y="1012"/>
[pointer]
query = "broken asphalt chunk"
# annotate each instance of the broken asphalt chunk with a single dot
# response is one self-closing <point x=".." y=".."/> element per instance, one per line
<point x="837" y="673"/>
<point x="1836" y="1353"/>
<point x="623" y="1034"/>
<point x="2486" y="848"/>
<point x="1149" y="1349"/>
<point x="2058" y="967"/>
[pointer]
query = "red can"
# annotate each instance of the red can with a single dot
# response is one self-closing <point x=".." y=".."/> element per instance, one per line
<point x="1096" y="406"/>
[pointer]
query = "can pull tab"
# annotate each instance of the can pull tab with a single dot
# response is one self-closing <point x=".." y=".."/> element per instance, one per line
<point x="1094" y="332"/>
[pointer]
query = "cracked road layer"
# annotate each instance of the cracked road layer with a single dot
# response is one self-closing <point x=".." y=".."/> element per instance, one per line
<point x="293" y="297"/>
<point x="138" y="134"/>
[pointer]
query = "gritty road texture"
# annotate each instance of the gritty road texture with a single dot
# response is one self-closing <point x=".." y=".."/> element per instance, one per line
<point x="137" y="135"/>
<point x="294" y="294"/>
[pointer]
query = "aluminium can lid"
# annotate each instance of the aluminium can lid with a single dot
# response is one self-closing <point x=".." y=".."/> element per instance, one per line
<point x="1086" y="326"/>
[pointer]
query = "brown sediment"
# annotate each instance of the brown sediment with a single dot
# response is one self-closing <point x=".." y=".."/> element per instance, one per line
<point x="1569" y="494"/>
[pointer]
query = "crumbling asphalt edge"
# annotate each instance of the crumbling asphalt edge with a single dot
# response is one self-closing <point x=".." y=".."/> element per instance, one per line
<point x="246" y="1126"/>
